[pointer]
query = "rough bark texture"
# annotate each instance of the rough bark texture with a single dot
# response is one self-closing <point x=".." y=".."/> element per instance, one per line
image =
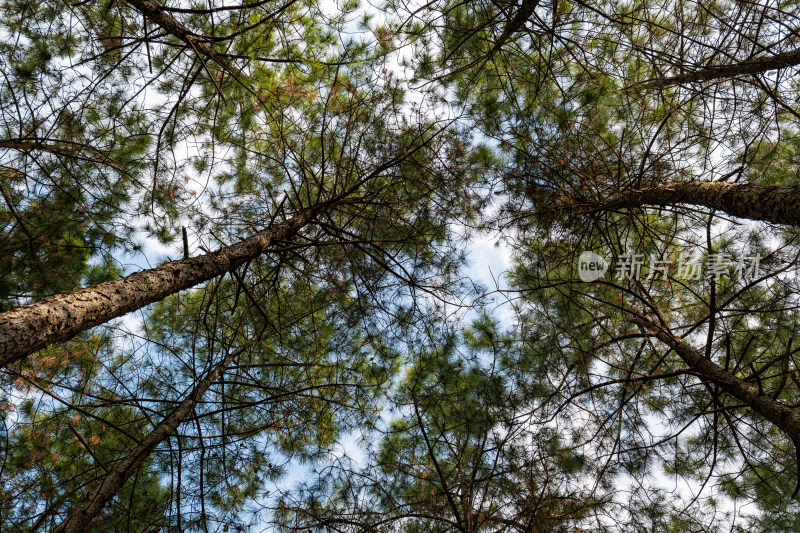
<point x="59" y="147"/>
<point x="522" y="15"/>
<point x="28" y="145"/>
<point x="750" y="66"/>
<point x="59" y="318"/>
<point x="784" y="417"/>
<point x="168" y="23"/>
<point x="778" y="204"/>
<point x="80" y="519"/>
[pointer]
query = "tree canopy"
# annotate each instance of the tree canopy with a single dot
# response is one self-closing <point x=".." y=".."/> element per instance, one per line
<point x="238" y="290"/>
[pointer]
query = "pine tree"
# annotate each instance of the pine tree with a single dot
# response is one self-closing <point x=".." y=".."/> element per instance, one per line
<point x="336" y="206"/>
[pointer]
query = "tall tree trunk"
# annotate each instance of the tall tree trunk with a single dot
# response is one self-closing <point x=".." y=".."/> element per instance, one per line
<point x="63" y="148"/>
<point x="153" y="12"/>
<point x="778" y="204"/>
<point x="59" y="318"/>
<point x="756" y="65"/>
<point x="80" y="518"/>
<point x="522" y="15"/>
<point x="783" y="416"/>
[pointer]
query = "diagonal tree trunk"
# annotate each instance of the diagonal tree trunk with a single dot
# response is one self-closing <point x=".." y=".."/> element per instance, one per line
<point x="778" y="204"/>
<point x="80" y="519"/>
<point x="153" y="12"/>
<point x="783" y="416"/>
<point x="750" y="66"/>
<point x="59" y="318"/>
<point x="522" y="15"/>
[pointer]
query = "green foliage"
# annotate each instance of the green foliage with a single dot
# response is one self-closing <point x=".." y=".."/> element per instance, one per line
<point x="527" y="119"/>
<point x="57" y="452"/>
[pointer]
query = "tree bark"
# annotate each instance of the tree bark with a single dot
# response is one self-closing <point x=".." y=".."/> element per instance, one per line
<point x="750" y="66"/>
<point x="80" y="519"/>
<point x="784" y="417"/>
<point x="778" y="204"/>
<point x="523" y="13"/>
<point x="27" y="329"/>
<point x="171" y="25"/>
